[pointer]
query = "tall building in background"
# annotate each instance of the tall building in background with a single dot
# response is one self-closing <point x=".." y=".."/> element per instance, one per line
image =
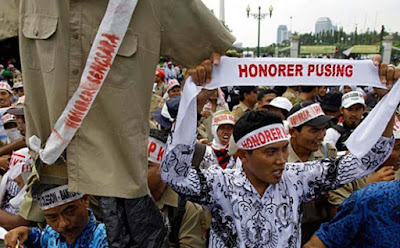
<point x="283" y="34"/>
<point x="324" y="24"/>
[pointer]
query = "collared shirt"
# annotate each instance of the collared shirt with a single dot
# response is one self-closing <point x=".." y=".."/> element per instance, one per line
<point x="369" y="218"/>
<point x="319" y="154"/>
<point x="243" y="218"/>
<point x="239" y="110"/>
<point x="55" y="40"/>
<point x="94" y="236"/>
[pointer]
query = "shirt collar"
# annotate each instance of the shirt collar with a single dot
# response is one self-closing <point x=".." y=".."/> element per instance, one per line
<point x="293" y="158"/>
<point x="169" y="198"/>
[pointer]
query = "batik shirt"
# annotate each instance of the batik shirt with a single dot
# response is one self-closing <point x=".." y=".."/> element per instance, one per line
<point x="243" y="218"/>
<point x="370" y="217"/>
<point x="94" y="236"/>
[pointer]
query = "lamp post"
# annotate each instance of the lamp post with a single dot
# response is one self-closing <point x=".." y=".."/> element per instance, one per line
<point x="259" y="16"/>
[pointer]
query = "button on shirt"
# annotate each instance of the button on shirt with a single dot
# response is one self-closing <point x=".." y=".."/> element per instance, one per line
<point x="243" y="218"/>
<point x="369" y="218"/>
<point x="94" y="236"/>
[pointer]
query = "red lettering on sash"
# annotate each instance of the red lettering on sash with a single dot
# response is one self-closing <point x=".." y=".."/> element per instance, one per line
<point x="290" y="70"/>
<point x="160" y="154"/>
<point x="242" y="70"/>
<point x="152" y="148"/>
<point x="311" y="69"/>
<point x="281" y="70"/>
<point x="262" y="70"/>
<point x="268" y="135"/>
<point x="299" y="70"/>
<point x="272" y="70"/>
<point x="253" y="70"/>
<point x="349" y="70"/>
<point x="340" y="70"/>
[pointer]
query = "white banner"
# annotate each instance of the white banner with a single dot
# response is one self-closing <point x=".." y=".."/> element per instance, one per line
<point x="289" y="71"/>
<point x="105" y="46"/>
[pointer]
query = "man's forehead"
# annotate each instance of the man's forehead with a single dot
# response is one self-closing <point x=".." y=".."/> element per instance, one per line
<point x="61" y="208"/>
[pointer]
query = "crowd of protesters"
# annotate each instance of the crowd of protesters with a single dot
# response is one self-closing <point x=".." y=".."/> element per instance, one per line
<point x="301" y="187"/>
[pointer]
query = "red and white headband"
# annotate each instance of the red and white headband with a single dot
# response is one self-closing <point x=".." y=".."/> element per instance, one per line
<point x="263" y="136"/>
<point x="223" y="119"/>
<point x="305" y="114"/>
<point x="155" y="150"/>
<point x="56" y="197"/>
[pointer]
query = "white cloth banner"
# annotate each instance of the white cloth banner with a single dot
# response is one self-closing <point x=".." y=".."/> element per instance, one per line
<point x="290" y="71"/>
<point x="102" y="54"/>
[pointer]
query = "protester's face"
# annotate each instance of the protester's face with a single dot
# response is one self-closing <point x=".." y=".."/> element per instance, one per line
<point x="322" y="91"/>
<point x="346" y="89"/>
<point x="251" y="97"/>
<point x="21" y="92"/>
<point x="267" y="98"/>
<point x="265" y="165"/>
<point x="157" y="79"/>
<point x="154" y="176"/>
<point x="21" y="124"/>
<point x="310" y="137"/>
<point x="352" y="115"/>
<point x="69" y="219"/>
<point x="224" y="133"/>
<point x="5" y="99"/>
<point x="176" y="91"/>
<point x="394" y="158"/>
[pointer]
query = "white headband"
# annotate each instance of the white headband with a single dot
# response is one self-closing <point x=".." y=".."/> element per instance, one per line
<point x="57" y="197"/>
<point x="155" y="150"/>
<point x="305" y="114"/>
<point x="263" y="136"/>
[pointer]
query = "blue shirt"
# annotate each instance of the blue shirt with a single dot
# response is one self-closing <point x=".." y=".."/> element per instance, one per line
<point x="370" y="217"/>
<point x="93" y="236"/>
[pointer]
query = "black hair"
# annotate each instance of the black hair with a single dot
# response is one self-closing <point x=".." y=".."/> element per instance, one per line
<point x="159" y="134"/>
<point x="264" y="92"/>
<point x="307" y="89"/>
<point x="38" y="189"/>
<point x="253" y="120"/>
<point x="245" y="89"/>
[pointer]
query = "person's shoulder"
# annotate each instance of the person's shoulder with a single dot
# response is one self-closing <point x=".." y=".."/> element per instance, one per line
<point x="378" y="190"/>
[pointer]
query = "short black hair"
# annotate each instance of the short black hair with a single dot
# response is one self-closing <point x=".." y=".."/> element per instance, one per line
<point x="253" y="120"/>
<point x="307" y="89"/>
<point x="161" y="135"/>
<point x="38" y="188"/>
<point x="263" y="92"/>
<point x="245" y="89"/>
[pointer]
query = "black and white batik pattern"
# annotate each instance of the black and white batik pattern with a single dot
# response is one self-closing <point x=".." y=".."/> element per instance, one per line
<point x="243" y="218"/>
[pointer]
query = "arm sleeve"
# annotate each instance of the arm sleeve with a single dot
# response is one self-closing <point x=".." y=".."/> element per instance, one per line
<point x="343" y="228"/>
<point x="34" y="238"/>
<point x="318" y="177"/>
<point x="190" y="32"/>
<point x="194" y="183"/>
<point x="331" y="136"/>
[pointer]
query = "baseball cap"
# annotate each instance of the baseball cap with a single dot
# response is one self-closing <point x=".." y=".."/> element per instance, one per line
<point x="18" y="109"/>
<point x="160" y="73"/>
<point x="307" y="113"/>
<point x="18" y="85"/>
<point x="166" y="115"/>
<point x="5" y="86"/>
<point x="281" y="103"/>
<point x="7" y="118"/>
<point x="351" y="98"/>
<point x="172" y="84"/>
<point x="223" y="117"/>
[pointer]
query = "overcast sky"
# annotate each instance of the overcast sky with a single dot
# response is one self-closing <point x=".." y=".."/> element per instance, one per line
<point x="366" y="14"/>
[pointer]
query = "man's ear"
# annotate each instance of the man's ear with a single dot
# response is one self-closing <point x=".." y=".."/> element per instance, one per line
<point x="86" y="201"/>
<point x="341" y="110"/>
<point x="293" y="132"/>
<point x="242" y="154"/>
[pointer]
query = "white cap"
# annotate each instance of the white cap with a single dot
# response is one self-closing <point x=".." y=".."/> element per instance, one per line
<point x="5" y="86"/>
<point x="172" y="83"/>
<point x="351" y="98"/>
<point x="7" y="118"/>
<point x="282" y="103"/>
<point x="223" y="117"/>
<point x="17" y="85"/>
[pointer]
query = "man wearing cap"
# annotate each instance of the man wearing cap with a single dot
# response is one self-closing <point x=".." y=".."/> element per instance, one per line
<point x="248" y="99"/>
<point x="279" y="105"/>
<point x="187" y="219"/>
<point x="10" y="126"/>
<point x="5" y="101"/>
<point x="259" y="203"/>
<point x="173" y="89"/>
<point x="160" y="88"/>
<point x="353" y="109"/>
<point x="69" y="222"/>
<point x="307" y="123"/>
<point x="265" y="96"/>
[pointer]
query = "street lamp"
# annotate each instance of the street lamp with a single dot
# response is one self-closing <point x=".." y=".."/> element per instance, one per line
<point x="259" y="16"/>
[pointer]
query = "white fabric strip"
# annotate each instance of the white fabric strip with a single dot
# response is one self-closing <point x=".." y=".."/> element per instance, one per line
<point x="305" y="114"/>
<point x="155" y="150"/>
<point x="263" y="136"/>
<point x="227" y="74"/>
<point x="105" y="46"/>
<point x="57" y="197"/>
